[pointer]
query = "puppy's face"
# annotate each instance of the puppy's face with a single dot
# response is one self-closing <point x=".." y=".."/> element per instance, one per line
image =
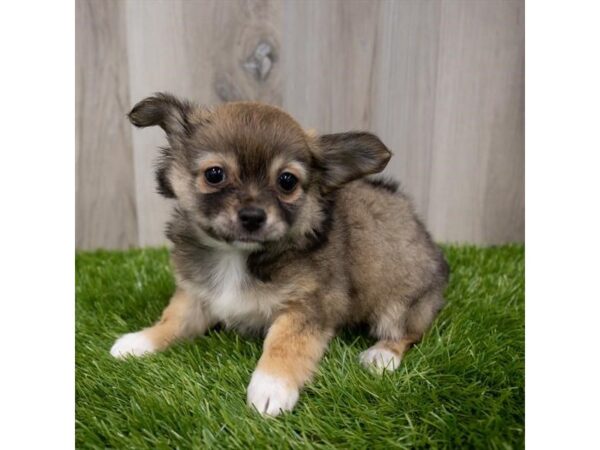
<point x="252" y="178"/>
<point x="247" y="173"/>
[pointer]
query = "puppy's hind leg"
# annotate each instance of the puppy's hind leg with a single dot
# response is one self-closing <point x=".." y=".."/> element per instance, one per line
<point x="397" y="336"/>
<point x="183" y="318"/>
<point x="386" y="354"/>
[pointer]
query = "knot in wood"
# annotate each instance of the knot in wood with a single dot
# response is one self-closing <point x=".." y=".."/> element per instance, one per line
<point x="261" y="61"/>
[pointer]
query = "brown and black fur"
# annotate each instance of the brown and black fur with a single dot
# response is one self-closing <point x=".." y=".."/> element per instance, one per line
<point x="343" y="249"/>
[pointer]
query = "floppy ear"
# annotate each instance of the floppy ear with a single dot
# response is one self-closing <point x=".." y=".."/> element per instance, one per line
<point x="164" y="110"/>
<point x="173" y="116"/>
<point x="348" y="156"/>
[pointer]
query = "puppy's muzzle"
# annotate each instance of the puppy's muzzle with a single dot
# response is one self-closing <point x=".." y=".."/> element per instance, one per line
<point x="252" y="218"/>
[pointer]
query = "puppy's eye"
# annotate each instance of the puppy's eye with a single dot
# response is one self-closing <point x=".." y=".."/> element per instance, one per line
<point x="214" y="175"/>
<point x="287" y="181"/>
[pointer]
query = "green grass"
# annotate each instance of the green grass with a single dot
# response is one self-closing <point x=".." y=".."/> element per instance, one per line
<point x="462" y="387"/>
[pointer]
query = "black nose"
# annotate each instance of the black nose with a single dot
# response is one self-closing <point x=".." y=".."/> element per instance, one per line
<point x="252" y="218"/>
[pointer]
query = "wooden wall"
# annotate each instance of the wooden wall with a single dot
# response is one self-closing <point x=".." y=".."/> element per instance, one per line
<point x="440" y="81"/>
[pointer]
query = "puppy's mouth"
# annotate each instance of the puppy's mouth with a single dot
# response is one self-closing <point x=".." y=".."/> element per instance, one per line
<point x="240" y="238"/>
<point x="232" y="234"/>
<point x="249" y="239"/>
<point x="248" y="243"/>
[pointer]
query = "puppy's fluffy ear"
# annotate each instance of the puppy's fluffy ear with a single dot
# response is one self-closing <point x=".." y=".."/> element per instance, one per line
<point x="348" y="156"/>
<point x="164" y="110"/>
<point x="173" y="116"/>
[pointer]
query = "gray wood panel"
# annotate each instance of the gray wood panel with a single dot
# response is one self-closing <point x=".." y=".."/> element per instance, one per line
<point x="105" y="196"/>
<point x="328" y="54"/>
<point x="477" y="181"/>
<point x="440" y="81"/>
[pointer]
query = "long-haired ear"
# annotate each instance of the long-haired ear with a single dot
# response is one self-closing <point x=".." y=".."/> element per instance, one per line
<point x="348" y="156"/>
<point x="164" y="110"/>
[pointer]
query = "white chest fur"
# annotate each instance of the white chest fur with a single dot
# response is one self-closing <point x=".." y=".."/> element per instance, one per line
<point x="234" y="297"/>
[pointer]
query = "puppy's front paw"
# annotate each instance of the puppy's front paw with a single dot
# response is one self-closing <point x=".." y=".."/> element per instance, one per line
<point x="271" y="395"/>
<point x="379" y="359"/>
<point x="135" y="344"/>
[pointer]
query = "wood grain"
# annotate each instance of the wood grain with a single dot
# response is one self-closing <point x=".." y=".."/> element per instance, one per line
<point x="477" y="183"/>
<point x="328" y="54"/>
<point x="105" y="196"/>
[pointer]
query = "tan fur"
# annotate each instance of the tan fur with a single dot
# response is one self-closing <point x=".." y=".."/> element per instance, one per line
<point x="311" y="132"/>
<point x="398" y="347"/>
<point x="293" y="348"/>
<point x="179" y="320"/>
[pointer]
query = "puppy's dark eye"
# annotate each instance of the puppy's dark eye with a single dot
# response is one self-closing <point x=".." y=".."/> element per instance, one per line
<point x="214" y="175"/>
<point x="287" y="181"/>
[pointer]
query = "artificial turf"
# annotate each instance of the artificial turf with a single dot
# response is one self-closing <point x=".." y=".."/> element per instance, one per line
<point x="462" y="387"/>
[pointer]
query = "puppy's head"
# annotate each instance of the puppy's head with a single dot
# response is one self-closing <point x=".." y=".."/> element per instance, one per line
<point x="247" y="173"/>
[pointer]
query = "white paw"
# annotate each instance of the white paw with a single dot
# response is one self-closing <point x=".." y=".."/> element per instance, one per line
<point x="270" y="395"/>
<point x="379" y="359"/>
<point x="136" y="344"/>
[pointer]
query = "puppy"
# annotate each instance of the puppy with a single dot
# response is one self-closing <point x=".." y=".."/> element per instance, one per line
<point x="275" y="230"/>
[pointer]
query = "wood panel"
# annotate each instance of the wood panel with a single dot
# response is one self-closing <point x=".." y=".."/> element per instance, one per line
<point x="201" y="50"/>
<point x="477" y="181"/>
<point x="105" y="195"/>
<point x="328" y="54"/>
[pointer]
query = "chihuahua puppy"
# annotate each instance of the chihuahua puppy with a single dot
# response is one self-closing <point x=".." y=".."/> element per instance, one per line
<point x="276" y="230"/>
